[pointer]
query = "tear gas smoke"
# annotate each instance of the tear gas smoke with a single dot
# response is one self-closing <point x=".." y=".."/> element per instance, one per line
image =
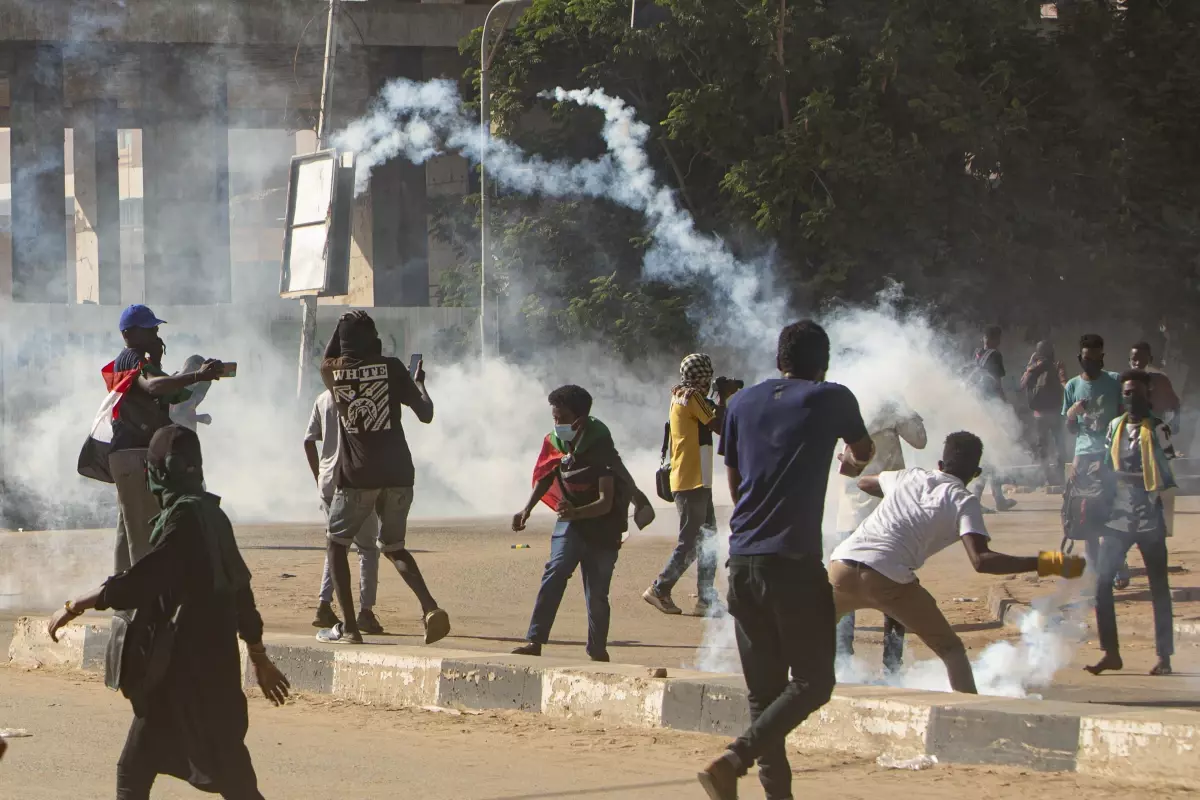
<point x="1050" y="633"/>
<point x="480" y="449"/>
<point x="418" y="121"/>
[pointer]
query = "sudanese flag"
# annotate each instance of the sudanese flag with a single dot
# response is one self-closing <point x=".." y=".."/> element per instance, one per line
<point x="93" y="457"/>
<point x="554" y="450"/>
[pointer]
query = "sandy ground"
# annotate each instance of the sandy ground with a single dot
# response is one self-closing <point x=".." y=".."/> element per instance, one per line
<point x="488" y="587"/>
<point x="318" y="749"/>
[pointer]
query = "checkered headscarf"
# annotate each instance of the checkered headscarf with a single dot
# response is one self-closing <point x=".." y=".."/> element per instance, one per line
<point x="695" y="375"/>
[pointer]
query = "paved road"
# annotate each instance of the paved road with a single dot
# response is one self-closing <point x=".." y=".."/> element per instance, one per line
<point x="317" y="750"/>
<point x="488" y="588"/>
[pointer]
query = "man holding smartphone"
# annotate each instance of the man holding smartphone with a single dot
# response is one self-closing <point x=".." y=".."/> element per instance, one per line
<point x="143" y="409"/>
<point x="376" y="470"/>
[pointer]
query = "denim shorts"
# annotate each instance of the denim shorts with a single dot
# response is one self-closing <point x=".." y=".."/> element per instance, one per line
<point x="351" y="508"/>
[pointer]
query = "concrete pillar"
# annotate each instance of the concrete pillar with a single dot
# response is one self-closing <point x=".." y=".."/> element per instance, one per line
<point x="39" y="229"/>
<point x="185" y="153"/>
<point x="400" y="225"/>
<point x="97" y="204"/>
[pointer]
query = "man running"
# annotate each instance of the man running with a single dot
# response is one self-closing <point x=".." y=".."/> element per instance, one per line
<point x="922" y="513"/>
<point x="323" y="427"/>
<point x="779" y="438"/>
<point x="376" y="469"/>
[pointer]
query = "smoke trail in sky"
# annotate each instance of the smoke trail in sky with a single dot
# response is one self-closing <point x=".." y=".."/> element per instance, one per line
<point x="418" y="121"/>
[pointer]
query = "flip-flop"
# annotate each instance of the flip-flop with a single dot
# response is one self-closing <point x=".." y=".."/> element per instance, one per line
<point x="437" y="626"/>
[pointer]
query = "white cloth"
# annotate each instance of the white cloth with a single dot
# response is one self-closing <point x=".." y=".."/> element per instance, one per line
<point x="922" y="513"/>
<point x="323" y="427"/>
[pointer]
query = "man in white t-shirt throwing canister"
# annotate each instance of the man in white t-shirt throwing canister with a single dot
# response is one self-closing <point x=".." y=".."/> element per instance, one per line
<point x="922" y="513"/>
<point x="323" y="427"/>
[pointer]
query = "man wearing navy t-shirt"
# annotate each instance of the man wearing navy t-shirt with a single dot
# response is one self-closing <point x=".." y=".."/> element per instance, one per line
<point x="779" y="438"/>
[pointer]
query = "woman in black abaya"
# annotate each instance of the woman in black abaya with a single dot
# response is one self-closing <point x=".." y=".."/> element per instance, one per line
<point x="180" y="664"/>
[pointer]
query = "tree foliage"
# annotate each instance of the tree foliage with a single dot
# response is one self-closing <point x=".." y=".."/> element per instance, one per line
<point x="999" y="165"/>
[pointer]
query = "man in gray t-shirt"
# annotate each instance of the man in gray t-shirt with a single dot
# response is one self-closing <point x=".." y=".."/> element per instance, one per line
<point x="324" y="428"/>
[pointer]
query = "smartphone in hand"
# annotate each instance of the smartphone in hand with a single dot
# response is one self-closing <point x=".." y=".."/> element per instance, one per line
<point x="229" y="369"/>
<point x="414" y="364"/>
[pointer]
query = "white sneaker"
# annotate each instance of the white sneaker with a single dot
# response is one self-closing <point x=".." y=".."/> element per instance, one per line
<point x="337" y="635"/>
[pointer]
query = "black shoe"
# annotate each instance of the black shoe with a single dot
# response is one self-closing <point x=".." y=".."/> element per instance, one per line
<point x="367" y="623"/>
<point x="528" y="649"/>
<point x="1005" y="504"/>
<point x="602" y="656"/>
<point x="325" y="617"/>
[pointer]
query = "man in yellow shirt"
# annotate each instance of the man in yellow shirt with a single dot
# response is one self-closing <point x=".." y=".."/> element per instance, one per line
<point x="694" y="419"/>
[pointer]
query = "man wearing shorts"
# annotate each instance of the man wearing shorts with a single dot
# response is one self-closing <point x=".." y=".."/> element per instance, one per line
<point x="376" y="471"/>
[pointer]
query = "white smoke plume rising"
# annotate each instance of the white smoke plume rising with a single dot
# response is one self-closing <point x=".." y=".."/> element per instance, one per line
<point x="481" y="447"/>
<point x="418" y="121"/>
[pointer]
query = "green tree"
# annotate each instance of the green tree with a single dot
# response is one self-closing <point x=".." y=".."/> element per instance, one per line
<point x="1001" y="167"/>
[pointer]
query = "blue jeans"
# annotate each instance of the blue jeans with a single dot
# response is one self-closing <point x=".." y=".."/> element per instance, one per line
<point x="596" y="564"/>
<point x="697" y="542"/>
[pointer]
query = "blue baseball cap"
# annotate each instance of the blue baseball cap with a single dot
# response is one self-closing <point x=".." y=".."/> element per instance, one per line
<point x="139" y="316"/>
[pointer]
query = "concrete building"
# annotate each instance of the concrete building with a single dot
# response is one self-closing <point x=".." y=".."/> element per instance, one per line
<point x="144" y="146"/>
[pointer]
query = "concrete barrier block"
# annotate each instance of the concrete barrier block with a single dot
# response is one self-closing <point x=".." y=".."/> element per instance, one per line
<point x="487" y="684"/>
<point x="1037" y="734"/>
<point x="95" y="646"/>
<point x="726" y="709"/>
<point x="308" y="669"/>
<point x="616" y="694"/>
<point x="392" y="679"/>
<point x="683" y="703"/>
<point x="871" y="719"/>
<point x="1159" y="745"/>
<point x="31" y="645"/>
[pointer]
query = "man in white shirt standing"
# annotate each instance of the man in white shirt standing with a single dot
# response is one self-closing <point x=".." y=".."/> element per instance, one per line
<point x="887" y="428"/>
<point x="923" y="512"/>
<point x="323" y="427"/>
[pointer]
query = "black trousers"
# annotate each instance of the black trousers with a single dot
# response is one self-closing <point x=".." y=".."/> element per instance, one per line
<point x="785" y="623"/>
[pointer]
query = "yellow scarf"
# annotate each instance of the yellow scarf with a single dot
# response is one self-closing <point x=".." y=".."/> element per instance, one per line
<point x="1150" y="473"/>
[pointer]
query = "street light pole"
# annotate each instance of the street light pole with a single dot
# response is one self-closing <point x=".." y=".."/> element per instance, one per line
<point x="485" y="131"/>
<point x="308" y="309"/>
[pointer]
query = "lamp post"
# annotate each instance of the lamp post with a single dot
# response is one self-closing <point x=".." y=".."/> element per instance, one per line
<point x="308" y="308"/>
<point x="486" y="54"/>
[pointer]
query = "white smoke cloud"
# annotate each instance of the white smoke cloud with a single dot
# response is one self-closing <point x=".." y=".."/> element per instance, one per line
<point x="481" y="447"/>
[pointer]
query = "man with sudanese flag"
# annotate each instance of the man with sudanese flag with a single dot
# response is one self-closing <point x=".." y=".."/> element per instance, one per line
<point x="580" y="476"/>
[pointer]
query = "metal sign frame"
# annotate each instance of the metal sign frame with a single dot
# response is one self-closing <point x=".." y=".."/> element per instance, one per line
<point x="301" y="233"/>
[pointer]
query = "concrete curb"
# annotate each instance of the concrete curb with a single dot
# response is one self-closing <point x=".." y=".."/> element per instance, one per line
<point x="1133" y="744"/>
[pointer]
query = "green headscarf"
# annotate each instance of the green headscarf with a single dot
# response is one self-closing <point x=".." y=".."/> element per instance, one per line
<point x="175" y="475"/>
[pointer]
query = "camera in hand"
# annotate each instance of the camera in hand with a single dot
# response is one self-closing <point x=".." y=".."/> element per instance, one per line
<point x="727" y="386"/>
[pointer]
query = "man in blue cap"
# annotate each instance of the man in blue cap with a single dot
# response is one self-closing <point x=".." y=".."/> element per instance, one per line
<point x="144" y="408"/>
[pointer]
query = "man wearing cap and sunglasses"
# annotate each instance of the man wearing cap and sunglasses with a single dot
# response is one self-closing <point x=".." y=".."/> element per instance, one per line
<point x="144" y="409"/>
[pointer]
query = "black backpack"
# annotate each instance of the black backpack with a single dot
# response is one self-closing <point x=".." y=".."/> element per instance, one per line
<point x="977" y="375"/>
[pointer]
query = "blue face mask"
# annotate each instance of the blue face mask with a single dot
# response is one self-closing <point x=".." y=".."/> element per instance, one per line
<point x="565" y="432"/>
